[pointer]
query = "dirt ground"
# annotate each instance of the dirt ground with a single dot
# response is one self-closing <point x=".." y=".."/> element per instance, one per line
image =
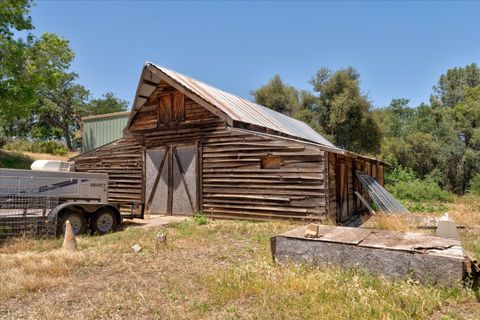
<point x="218" y="270"/>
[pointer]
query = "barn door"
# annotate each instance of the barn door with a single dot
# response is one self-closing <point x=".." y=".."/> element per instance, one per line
<point x="171" y="180"/>
<point x="342" y="192"/>
<point x="156" y="180"/>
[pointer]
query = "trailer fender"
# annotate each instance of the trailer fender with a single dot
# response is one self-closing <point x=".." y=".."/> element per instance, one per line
<point x="87" y="207"/>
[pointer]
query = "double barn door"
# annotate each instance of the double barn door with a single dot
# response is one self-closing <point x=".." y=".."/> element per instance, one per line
<point x="171" y="180"/>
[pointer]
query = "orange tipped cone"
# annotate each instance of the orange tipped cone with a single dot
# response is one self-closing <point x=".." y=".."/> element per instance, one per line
<point x="69" y="241"/>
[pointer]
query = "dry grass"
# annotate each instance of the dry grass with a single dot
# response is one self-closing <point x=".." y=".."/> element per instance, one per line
<point x="46" y="156"/>
<point x="32" y="271"/>
<point x="387" y="222"/>
<point x="222" y="270"/>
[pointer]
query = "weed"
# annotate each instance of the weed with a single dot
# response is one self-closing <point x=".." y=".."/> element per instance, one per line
<point x="200" y="218"/>
<point x="426" y="207"/>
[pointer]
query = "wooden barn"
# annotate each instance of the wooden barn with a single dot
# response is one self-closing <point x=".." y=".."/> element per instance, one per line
<point x="189" y="147"/>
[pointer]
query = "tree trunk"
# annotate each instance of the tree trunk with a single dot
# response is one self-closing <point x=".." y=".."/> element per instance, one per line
<point x="66" y="134"/>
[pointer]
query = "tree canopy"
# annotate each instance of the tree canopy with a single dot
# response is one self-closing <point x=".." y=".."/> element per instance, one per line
<point x="336" y="108"/>
<point x="439" y="141"/>
<point x="39" y="94"/>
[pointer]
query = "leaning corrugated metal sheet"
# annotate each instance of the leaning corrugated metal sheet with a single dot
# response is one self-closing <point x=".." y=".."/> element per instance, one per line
<point x="238" y="109"/>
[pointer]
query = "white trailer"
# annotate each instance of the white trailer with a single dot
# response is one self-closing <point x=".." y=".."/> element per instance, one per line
<point x="82" y="197"/>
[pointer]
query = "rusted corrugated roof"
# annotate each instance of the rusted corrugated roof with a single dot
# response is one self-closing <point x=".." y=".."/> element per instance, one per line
<point x="238" y="109"/>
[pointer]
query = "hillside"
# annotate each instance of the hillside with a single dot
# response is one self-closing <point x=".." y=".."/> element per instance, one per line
<point x="23" y="160"/>
<point x="14" y="160"/>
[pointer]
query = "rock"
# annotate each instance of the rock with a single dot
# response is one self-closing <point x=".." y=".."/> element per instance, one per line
<point x="136" y="248"/>
<point x="69" y="242"/>
<point x="398" y="255"/>
<point x="160" y="239"/>
<point x="447" y="229"/>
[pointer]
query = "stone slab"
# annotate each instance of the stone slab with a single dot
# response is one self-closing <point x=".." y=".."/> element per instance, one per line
<point x="406" y="241"/>
<point x="423" y="258"/>
<point x="447" y="229"/>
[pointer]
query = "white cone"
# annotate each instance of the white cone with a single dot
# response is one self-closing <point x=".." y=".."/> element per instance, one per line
<point x="69" y="242"/>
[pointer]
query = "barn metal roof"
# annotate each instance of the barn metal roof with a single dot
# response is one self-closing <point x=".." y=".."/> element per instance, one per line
<point x="236" y="108"/>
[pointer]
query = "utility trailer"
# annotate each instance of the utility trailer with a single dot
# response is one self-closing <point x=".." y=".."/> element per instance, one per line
<point x="52" y="194"/>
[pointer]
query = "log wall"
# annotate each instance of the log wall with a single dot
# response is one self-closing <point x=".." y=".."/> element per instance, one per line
<point x="233" y="183"/>
<point x="236" y="185"/>
<point x="123" y="161"/>
<point x="240" y="174"/>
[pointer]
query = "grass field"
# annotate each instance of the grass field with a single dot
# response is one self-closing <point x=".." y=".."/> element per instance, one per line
<point x="221" y="270"/>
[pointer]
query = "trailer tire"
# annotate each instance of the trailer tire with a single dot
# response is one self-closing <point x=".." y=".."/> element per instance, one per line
<point x="104" y="221"/>
<point x="77" y="220"/>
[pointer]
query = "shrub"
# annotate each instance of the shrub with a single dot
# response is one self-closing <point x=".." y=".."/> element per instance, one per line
<point x="419" y="190"/>
<point x="475" y="184"/>
<point x="405" y="185"/>
<point x="200" y="218"/>
<point x="50" y="147"/>
<point x="398" y="174"/>
<point x="3" y="140"/>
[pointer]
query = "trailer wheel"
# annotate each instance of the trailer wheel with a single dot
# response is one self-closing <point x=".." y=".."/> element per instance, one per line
<point x="77" y="220"/>
<point x="104" y="221"/>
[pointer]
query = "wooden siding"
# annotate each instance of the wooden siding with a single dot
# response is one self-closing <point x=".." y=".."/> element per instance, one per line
<point x="123" y="161"/>
<point x="240" y="173"/>
<point x="232" y="183"/>
<point x="235" y="185"/>
<point x="343" y="183"/>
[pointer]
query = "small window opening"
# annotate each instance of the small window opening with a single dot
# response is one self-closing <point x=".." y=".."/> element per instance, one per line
<point x="171" y="107"/>
<point x="270" y="162"/>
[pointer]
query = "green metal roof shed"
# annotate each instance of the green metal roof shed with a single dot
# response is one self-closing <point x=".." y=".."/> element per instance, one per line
<point x="102" y="129"/>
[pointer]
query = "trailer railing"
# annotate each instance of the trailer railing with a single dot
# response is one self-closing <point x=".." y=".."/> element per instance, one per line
<point x="25" y="214"/>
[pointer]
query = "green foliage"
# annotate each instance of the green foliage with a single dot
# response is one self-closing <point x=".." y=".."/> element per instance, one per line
<point x="50" y="147"/>
<point x="441" y="141"/>
<point x="397" y="174"/>
<point x="14" y="160"/>
<point x="344" y="112"/>
<point x="108" y="103"/>
<point x="475" y="184"/>
<point x="337" y="109"/>
<point x="407" y="150"/>
<point x="277" y="96"/>
<point x="3" y="138"/>
<point x="39" y="96"/>
<point x="14" y="15"/>
<point x="404" y="184"/>
<point x="451" y="87"/>
<point x="200" y="218"/>
<point x="419" y="190"/>
<point x="426" y="207"/>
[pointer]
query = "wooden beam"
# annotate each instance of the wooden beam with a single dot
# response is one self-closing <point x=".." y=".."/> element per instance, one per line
<point x="170" y="180"/>
<point x="365" y="202"/>
<point x="150" y="83"/>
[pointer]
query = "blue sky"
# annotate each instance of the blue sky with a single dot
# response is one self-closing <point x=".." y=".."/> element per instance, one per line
<point x="399" y="48"/>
